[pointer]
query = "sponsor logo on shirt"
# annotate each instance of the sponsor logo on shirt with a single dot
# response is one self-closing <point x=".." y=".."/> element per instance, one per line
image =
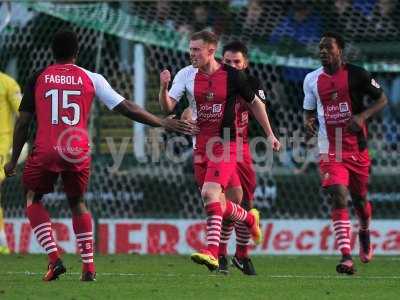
<point x="343" y="107"/>
<point x="336" y="114"/>
<point x="210" y="112"/>
<point x="217" y="108"/>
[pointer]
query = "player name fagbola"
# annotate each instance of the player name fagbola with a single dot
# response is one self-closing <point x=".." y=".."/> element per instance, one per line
<point x="63" y="79"/>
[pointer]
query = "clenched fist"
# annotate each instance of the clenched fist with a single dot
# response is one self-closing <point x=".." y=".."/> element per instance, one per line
<point x="165" y="78"/>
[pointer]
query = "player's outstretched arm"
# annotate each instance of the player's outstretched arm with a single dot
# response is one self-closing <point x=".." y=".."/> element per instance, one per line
<point x="19" y="139"/>
<point x="138" y="114"/>
<point x="257" y="107"/>
<point x="167" y="104"/>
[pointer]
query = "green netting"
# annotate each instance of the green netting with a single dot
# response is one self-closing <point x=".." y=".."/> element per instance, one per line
<point x="113" y="20"/>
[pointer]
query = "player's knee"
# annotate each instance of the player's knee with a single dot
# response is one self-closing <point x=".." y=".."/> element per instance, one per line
<point x="358" y="200"/>
<point x="235" y="195"/>
<point x="77" y="205"/>
<point x="338" y="195"/>
<point x="208" y="196"/>
<point x="236" y="199"/>
<point x="211" y="192"/>
<point x="79" y="209"/>
<point x="32" y="197"/>
<point x="339" y="200"/>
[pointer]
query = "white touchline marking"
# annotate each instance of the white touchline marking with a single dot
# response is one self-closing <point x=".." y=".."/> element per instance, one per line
<point x="381" y="258"/>
<point x="28" y="273"/>
<point x="336" y="276"/>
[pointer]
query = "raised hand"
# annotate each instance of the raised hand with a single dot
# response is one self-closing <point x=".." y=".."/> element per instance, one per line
<point x="165" y="78"/>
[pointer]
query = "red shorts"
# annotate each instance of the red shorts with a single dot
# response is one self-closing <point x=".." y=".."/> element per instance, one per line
<point x="352" y="171"/>
<point x="217" y="166"/>
<point x="245" y="176"/>
<point x="41" y="181"/>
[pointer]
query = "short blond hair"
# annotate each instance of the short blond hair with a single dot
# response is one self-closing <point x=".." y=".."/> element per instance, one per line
<point x="207" y="36"/>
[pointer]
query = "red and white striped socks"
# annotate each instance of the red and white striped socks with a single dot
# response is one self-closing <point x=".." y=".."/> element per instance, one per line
<point x="241" y="220"/>
<point x="82" y="225"/>
<point x="214" y="220"/>
<point x="242" y="239"/>
<point x="342" y="226"/>
<point x="41" y="226"/>
<point x="226" y="231"/>
<point x="235" y="212"/>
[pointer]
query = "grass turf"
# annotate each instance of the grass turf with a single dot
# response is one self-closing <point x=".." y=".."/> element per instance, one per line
<point x="176" y="277"/>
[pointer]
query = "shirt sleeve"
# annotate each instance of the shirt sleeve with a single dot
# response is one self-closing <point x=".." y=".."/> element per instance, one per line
<point x="245" y="89"/>
<point x="28" y="99"/>
<point x="259" y="90"/>
<point x="106" y="94"/>
<point x="310" y="101"/>
<point x="14" y="95"/>
<point x="178" y="87"/>
<point x="370" y="86"/>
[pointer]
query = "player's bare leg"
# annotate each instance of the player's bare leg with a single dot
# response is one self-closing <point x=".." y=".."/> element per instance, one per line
<point x="41" y="227"/>
<point x="341" y="225"/>
<point x="82" y="225"/>
<point x="363" y="210"/>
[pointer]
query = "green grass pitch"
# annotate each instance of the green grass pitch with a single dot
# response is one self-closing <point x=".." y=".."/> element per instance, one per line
<point x="176" y="277"/>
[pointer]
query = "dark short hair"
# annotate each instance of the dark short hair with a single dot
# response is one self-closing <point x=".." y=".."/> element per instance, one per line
<point x="236" y="46"/>
<point x="65" y="44"/>
<point x="207" y="36"/>
<point x="339" y="39"/>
